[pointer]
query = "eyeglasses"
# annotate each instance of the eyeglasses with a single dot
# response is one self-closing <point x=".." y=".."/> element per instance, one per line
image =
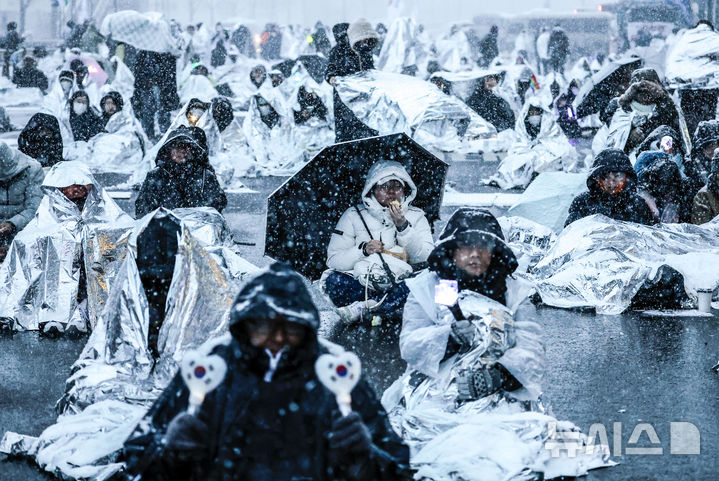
<point x="266" y="327"/>
<point x="392" y="185"/>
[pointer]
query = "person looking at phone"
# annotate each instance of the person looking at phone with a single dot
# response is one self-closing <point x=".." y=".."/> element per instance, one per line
<point x="471" y="254"/>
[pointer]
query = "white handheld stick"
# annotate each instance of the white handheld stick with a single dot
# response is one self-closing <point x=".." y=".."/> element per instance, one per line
<point x="339" y="372"/>
<point x="201" y="374"/>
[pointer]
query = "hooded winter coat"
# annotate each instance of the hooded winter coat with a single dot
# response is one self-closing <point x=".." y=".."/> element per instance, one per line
<point x="275" y="430"/>
<point x="491" y="107"/>
<point x="86" y="125"/>
<point x="20" y="192"/>
<point x="625" y="205"/>
<point x="424" y="342"/>
<point x="345" y="247"/>
<point x="706" y="202"/>
<point x="46" y="149"/>
<point x="662" y="186"/>
<point x="706" y="132"/>
<point x="172" y="185"/>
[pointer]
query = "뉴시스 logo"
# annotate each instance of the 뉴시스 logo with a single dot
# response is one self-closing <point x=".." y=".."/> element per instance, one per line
<point x="684" y="440"/>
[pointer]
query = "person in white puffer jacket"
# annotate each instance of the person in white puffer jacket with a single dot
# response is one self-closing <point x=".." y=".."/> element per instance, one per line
<point x="384" y="232"/>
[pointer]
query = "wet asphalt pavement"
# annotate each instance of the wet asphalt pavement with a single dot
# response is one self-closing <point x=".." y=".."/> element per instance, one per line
<point x="604" y="370"/>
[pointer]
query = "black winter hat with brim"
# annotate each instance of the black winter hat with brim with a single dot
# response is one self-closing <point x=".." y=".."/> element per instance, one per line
<point x="471" y="227"/>
<point x="610" y="160"/>
<point x="277" y="293"/>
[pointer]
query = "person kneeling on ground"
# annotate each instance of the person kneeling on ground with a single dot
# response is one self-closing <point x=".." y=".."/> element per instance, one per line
<point x="384" y="233"/>
<point x="471" y="255"/>
<point x="20" y="179"/>
<point x="270" y="418"/>
<point x="183" y="176"/>
<point x="706" y="202"/>
<point x="612" y="191"/>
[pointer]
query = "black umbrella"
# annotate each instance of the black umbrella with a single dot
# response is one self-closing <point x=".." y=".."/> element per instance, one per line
<point x="302" y="212"/>
<point x="596" y="92"/>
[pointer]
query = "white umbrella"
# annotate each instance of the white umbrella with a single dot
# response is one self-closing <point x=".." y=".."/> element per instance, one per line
<point x="547" y="199"/>
<point x="145" y="31"/>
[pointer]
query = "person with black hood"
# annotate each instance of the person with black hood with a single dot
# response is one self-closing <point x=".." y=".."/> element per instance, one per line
<point x="352" y="54"/>
<point x="85" y="124"/>
<point x="111" y="104"/>
<point x="558" y="49"/>
<point x="471" y="255"/>
<point x="30" y="76"/>
<point x="270" y="418"/>
<point x="183" y="176"/>
<point x="488" y="49"/>
<point x="221" y="109"/>
<point x="612" y="185"/>
<point x="492" y="108"/>
<point x="41" y="139"/>
<point x="644" y="106"/>
<point x="704" y="143"/>
<point x="258" y="75"/>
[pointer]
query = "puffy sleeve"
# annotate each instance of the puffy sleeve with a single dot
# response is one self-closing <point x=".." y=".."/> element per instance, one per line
<point x="343" y="251"/>
<point x="422" y="341"/>
<point x="416" y="239"/>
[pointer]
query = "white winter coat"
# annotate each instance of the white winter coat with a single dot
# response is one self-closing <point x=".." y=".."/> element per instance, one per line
<point x="344" y="252"/>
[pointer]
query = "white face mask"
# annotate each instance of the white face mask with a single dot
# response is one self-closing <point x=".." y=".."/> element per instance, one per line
<point x="641" y="109"/>
<point x="79" y="108"/>
<point x="65" y="85"/>
<point x="534" y="120"/>
<point x="575" y="90"/>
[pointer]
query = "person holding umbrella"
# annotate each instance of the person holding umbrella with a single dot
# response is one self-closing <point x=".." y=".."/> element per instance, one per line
<point x="377" y="244"/>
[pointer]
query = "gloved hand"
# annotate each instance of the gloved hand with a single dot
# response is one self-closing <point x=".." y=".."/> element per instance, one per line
<point x="350" y="435"/>
<point x="463" y="332"/>
<point x="186" y="433"/>
<point x="475" y="384"/>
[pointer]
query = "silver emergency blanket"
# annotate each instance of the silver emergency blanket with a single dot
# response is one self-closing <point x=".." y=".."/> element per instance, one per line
<point x="528" y="240"/>
<point x="454" y="53"/>
<point x="40" y="275"/>
<point x="405" y="46"/>
<point x="116" y="379"/>
<point x="693" y="60"/>
<point x="119" y="150"/>
<point x="550" y="151"/>
<point x="391" y="103"/>
<point x="501" y="436"/>
<point x="145" y="31"/>
<point x="286" y="147"/>
<point x="602" y="263"/>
